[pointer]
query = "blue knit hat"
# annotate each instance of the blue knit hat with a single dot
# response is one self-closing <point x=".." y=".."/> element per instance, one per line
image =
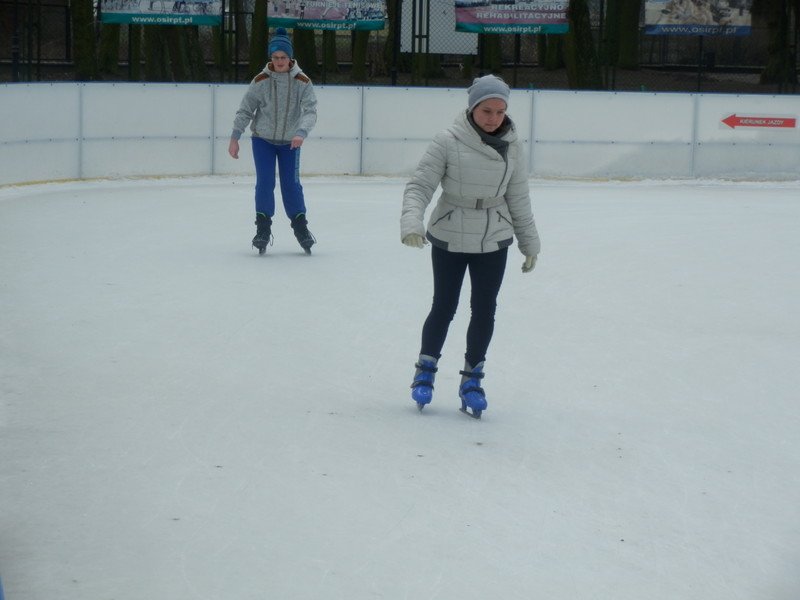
<point x="280" y="42"/>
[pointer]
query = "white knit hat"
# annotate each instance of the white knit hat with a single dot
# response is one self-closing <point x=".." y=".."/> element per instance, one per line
<point x="487" y="87"/>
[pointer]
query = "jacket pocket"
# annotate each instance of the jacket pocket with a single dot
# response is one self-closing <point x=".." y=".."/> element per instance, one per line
<point x="446" y="216"/>
<point x="502" y="217"/>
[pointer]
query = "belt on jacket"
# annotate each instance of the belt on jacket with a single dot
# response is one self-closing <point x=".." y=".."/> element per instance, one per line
<point x="476" y="203"/>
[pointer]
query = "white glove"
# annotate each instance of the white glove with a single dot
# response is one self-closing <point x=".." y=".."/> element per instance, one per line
<point x="414" y="240"/>
<point x="529" y="264"/>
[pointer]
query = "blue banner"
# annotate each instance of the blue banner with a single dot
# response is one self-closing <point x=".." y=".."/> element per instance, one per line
<point x="697" y="17"/>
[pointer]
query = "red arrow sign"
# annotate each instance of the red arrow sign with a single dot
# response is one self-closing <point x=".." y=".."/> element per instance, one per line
<point x="735" y="120"/>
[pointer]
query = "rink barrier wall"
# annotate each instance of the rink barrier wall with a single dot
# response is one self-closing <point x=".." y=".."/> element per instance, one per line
<point x="62" y="131"/>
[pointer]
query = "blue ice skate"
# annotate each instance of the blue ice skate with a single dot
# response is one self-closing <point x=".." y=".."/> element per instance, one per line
<point x="473" y="398"/>
<point x="422" y="386"/>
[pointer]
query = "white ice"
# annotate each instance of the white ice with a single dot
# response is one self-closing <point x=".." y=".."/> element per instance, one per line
<point x="182" y="419"/>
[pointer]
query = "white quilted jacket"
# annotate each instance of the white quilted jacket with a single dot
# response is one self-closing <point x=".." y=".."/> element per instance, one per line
<point x="485" y="199"/>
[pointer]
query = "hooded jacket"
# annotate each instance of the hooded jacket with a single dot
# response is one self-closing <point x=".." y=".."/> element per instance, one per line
<point x="278" y="106"/>
<point x="485" y="199"/>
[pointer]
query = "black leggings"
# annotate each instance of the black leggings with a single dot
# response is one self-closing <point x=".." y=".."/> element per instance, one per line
<point x="486" y="275"/>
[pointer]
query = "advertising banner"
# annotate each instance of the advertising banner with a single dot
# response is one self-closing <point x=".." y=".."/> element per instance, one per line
<point x="512" y="16"/>
<point x="161" y="12"/>
<point x="697" y="17"/>
<point x="327" y="14"/>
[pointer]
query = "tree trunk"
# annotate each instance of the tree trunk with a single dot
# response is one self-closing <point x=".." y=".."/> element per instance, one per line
<point x="186" y="54"/>
<point x="257" y="56"/>
<point x="491" y="50"/>
<point x="780" y="67"/>
<point x="305" y="50"/>
<point x="156" y="56"/>
<point x="84" y="47"/>
<point x="468" y="67"/>
<point x="360" y="45"/>
<point x="135" y="58"/>
<point x="583" y="69"/>
<point x="551" y="51"/>
<point x="393" y="15"/>
<point x="196" y="63"/>
<point x="241" y="22"/>
<point x="330" y="63"/>
<point x="628" y="46"/>
<point x="608" y="44"/>
<point x="222" y="54"/>
<point x="427" y="66"/>
<point x="176" y="52"/>
<point x="108" y="53"/>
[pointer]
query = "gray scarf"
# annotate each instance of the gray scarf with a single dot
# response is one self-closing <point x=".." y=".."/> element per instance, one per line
<point x="494" y="139"/>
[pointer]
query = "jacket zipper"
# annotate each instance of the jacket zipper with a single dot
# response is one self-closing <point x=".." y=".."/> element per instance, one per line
<point x="497" y="193"/>
<point x="286" y="116"/>
<point x="502" y="179"/>
<point x="485" y="232"/>
<point x="275" y="95"/>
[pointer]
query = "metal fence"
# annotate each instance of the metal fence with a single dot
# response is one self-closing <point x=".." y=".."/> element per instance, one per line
<point x="36" y="46"/>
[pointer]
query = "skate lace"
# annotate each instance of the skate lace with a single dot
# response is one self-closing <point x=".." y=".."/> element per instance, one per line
<point x="302" y="233"/>
<point x="264" y="235"/>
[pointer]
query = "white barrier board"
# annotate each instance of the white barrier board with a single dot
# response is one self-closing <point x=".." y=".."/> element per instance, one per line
<point x="86" y="130"/>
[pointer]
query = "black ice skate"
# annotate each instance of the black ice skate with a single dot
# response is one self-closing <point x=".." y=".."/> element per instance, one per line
<point x="301" y="232"/>
<point x="263" y="232"/>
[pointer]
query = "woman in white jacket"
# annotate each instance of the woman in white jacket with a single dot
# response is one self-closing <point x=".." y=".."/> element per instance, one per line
<point x="485" y="202"/>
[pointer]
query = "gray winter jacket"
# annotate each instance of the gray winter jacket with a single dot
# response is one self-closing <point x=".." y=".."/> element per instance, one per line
<point x="279" y="106"/>
<point x="485" y="198"/>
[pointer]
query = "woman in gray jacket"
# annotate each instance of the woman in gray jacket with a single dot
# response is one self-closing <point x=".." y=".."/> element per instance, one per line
<point x="485" y="202"/>
<point x="281" y="108"/>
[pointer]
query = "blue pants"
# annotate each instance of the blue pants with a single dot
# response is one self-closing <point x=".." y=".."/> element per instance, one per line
<point x="486" y="276"/>
<point x="265" y="154"/>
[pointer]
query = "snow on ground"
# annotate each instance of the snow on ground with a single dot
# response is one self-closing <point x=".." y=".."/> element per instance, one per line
<point x="182" y="419"/>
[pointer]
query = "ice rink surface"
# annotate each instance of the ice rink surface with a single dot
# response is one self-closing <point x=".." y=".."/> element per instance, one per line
<point x="182" y="419"/>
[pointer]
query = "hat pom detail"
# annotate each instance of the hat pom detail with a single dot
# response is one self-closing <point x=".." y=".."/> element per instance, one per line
<point x="280" y="42"/>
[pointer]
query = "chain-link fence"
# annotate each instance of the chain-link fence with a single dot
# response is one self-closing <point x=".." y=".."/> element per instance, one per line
<point x="37" y="41"/>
